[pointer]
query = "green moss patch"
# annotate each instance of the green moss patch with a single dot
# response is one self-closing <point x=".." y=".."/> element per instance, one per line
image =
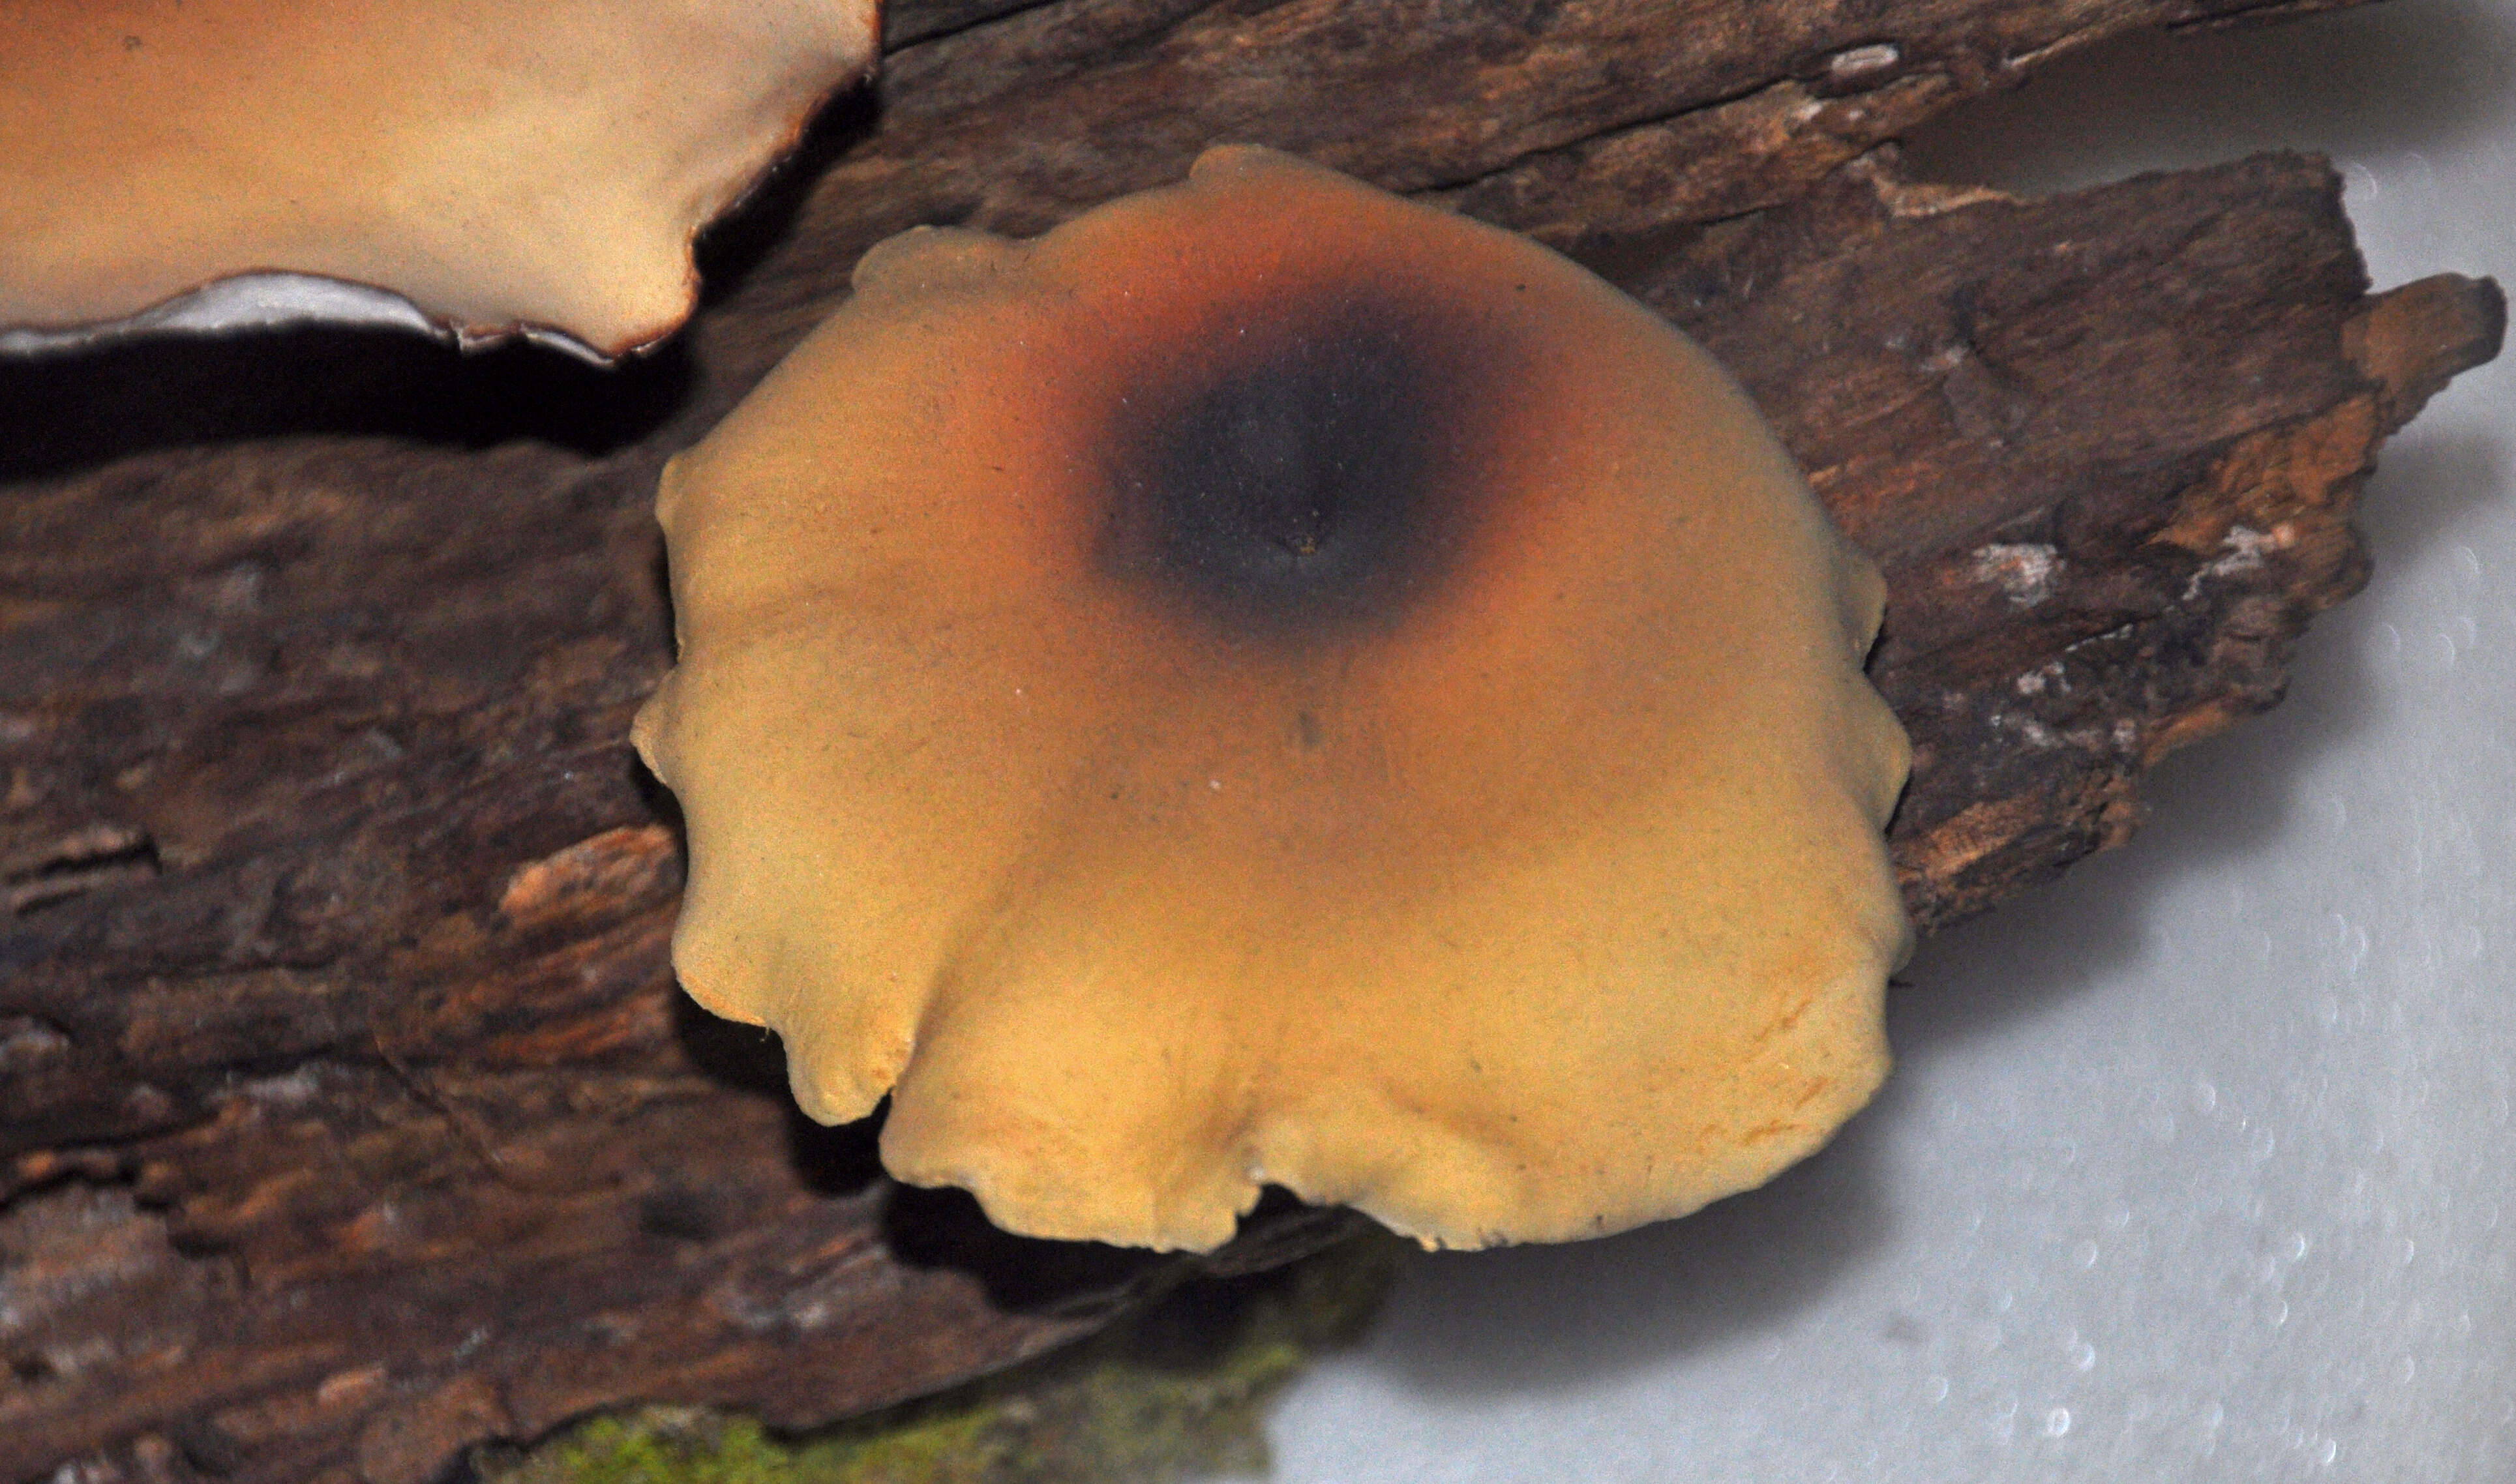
<point x="1178" y="1390"/>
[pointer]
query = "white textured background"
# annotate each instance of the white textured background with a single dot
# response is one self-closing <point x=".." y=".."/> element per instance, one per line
<point x="2196" y="1165"/>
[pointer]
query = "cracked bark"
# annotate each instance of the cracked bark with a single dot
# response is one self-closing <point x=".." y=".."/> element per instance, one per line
<point x="346" y="1112"/>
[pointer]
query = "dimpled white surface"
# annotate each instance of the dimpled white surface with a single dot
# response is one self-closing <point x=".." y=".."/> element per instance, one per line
<point x="2199" y="1165"/>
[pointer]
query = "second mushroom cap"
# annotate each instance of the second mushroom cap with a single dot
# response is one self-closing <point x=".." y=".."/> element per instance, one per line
<point x="506" y="165"/>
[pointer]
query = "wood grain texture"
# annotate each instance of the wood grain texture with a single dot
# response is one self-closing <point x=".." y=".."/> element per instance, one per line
<point x="348" y="1115"/>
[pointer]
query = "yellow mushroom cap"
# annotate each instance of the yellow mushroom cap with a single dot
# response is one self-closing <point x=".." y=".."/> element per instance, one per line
<point x="1275" y="683"/>
<point x="505" y="165"/>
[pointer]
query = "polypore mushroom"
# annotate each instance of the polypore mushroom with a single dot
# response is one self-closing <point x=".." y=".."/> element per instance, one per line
<point x="505" y="165"/>
<point x="1271" y="682"/>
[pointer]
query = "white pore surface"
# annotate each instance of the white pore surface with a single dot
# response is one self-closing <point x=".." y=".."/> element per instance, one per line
<point x="248" y="302"/>
<point x="2196" y="1165"/>
<point x="254" y="302"/>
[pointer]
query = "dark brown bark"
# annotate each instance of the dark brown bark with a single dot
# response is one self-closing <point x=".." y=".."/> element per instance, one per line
<point x="346" y="1112"/>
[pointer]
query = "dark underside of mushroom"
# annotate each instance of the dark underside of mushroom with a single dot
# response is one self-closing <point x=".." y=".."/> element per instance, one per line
<point x="348" y="1115"/>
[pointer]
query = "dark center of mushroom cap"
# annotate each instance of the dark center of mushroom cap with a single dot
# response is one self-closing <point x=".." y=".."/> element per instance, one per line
<point x="1310" y="468"/>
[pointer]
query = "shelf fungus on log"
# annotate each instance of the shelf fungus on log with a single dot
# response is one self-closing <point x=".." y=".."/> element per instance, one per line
<point x="537" y="167"/>
<point x="1275" y="683"/>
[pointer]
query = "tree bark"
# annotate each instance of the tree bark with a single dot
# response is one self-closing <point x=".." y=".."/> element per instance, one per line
<point x="347" y="1114"/>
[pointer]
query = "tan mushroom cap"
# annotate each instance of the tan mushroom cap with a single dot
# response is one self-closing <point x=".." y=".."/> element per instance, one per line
<point x="1270" y="683"/>
<point x="503" y="164"/>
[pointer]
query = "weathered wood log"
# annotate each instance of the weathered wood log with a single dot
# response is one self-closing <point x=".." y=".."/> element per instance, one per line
<point x="348" y="1115"/>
